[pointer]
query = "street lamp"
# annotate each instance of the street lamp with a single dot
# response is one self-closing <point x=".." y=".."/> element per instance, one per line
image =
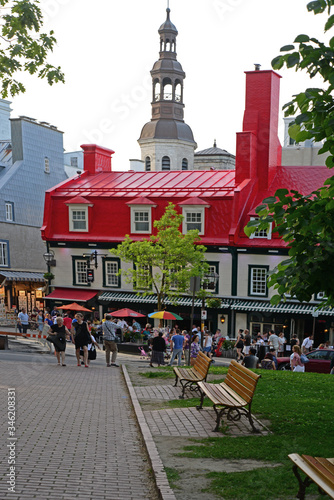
<point x="93" y="257"/>
<point x="49" y="258"/>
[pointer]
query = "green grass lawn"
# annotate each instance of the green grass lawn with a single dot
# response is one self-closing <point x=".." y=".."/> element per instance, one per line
<point x="300" y="408"/>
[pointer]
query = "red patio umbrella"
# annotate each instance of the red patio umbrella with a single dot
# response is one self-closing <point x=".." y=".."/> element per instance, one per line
<point x="74" y="307"/>
<point x="126" y="313"/>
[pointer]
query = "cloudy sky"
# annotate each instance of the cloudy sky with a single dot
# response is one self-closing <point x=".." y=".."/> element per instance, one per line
<point x="108" y="47"/>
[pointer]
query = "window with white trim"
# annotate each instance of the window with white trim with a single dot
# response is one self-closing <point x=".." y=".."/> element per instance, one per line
<point x="80" y="272"/>
<point x="78" y="218"/>
<point x="3" y="254"/>
<point x="142" y="277"/>
<point x="209" y="281"/>
<point x="141" y="219"/>
<point x="261" y="233"/>
<point x="258" y="280"/>
<point x="193" y="219"/>
<point x="111" y="270"/>
<point x="74" y="161"/>
<point x="9" y="207"/>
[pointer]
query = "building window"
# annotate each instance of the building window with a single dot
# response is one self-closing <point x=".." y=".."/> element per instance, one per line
<point x="80" y="271"/>
<point x="78" y="218"/>
<point x="193" y="219"/>
<point x="210" y="280"/>
<point x="140" y="220"/>
<point x="111" y="270"/>
<point x="74" y="161"/>
<point x="143" y="277"/>
<point x="262" y="233"/>
<point x="4" y="261"/>
<point x="165" y="163"/>
<point x="148" y="164"/>
<point x="46" y="165"/>
<point x="9" y="211"/>
<point x="184" y="164"/>
<point x="257" y="283"/>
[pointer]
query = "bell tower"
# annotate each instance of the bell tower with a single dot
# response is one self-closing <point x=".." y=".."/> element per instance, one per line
<point x="167" y="142"/>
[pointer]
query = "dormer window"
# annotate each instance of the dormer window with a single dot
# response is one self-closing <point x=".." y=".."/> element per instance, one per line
<point x="193" y="211"/>
<point x="262" y="233"/>
<point x="78" y="214"/>
<point x="141" y="215"/>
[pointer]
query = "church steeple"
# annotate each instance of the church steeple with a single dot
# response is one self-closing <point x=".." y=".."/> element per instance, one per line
<point x="167" y="76"/>
<point x="167" y="127"/>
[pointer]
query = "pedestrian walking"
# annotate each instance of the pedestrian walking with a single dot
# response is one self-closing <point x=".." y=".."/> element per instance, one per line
<point x="177" y="342"/>
<point x="158" y="350"/>
<point x="23" y="320"/>
<point x="295" y="361"/>
<point x="207" y="346"/>
<point x="61" y="333"/>
<point x="307" y="344"/>
<point x="239" y="344"/>
<point x="109" y="329"/>
<point x="81" y="338"/>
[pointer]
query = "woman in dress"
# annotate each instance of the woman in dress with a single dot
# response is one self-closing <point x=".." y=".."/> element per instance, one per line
<point x="40" y="321"/>
<point x="194" y="349"/>
<point x="295" y="361"/>
<point x="61" y="332"/>
<point x="81" y="338"/>
<point x="281" y="342"/>
<point x="158" y="349"/>
<point x="240" y="345"/>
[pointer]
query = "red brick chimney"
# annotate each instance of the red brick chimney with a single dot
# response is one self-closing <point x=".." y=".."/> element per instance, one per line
<point x="96" y="158"/>
<point x="258" y="147"/>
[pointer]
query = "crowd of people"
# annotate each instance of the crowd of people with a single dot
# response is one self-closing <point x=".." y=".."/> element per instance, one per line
<point x="165" y="344"/>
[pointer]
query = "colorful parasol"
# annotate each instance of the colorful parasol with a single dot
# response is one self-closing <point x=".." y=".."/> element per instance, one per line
<point x="126" y="313"/>
<point x="74" y="307"/>
<point x="165" y="315"/>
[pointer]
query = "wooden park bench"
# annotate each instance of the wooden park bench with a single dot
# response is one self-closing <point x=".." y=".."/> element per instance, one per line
<point x="233" y="396"/>
<point x="189" y="377"/>
<point x="318" y="470"/>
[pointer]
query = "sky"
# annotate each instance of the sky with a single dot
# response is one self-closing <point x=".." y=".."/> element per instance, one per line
<point x="107" y="48"/>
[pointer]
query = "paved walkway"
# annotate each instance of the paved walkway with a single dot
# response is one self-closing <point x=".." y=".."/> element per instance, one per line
<point x="76" y="433"/>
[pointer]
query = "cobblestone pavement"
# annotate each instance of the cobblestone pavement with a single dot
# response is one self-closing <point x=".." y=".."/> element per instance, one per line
<point x="76" y="433"/>
<point x="188" y="422"/>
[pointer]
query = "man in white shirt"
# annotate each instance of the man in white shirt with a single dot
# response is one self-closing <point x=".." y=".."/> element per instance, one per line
<point x="307" y="344"/>
<point x="23" y="319"/>
<point x="273" y="341"/>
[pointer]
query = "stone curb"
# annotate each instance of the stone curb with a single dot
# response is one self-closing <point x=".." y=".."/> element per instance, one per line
<point x="160" y="477"/>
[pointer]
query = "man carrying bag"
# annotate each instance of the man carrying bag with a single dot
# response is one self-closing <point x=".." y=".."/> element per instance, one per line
<point x="109" y="337"/>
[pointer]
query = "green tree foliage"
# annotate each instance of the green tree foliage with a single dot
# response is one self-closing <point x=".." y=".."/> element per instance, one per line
<point x="23" y="47"/>
<point x="164" y="263"/>
<point x="306" y="223"/>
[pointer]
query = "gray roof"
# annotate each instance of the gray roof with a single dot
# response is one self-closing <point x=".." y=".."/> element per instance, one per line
<point x="214" y="151"/>
<point x="167" y="129"/>
<point x="168" y="25"/>
<point x="22" y="276"/>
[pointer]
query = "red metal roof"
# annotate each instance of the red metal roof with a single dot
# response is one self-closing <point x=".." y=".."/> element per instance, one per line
<point x="152" y="184"/>
<point x="72" y="294"/>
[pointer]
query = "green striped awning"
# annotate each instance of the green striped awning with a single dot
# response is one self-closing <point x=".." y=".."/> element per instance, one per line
<point x="150" y="299"/>
<point x="282" y="308"/>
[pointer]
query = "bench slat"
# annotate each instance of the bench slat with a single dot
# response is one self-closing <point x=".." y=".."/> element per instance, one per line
<point x="248" y="384"/>
<point x="240" y="389"/>
<point x="246" y="371"/>
<point x="327" y="464"/>
<point x="312" y="473"/>
<point x="219" y="396"/>
<point x="323" y="471"/>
